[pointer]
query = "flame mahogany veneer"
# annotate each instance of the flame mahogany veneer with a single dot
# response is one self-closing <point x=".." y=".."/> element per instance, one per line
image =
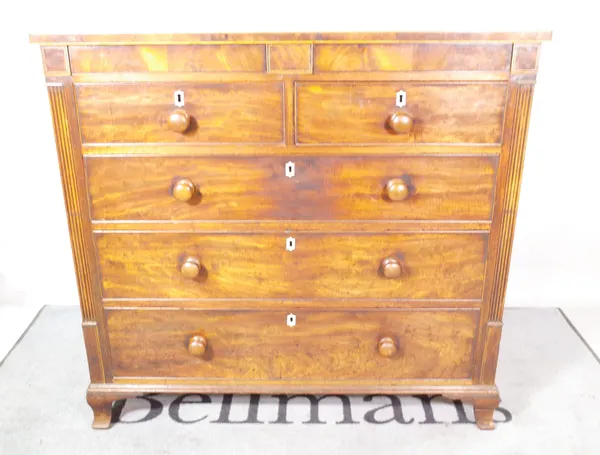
<point x="292" y="213"/>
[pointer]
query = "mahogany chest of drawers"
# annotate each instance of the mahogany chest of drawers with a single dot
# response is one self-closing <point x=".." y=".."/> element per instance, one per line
<point x="292" y="213"/>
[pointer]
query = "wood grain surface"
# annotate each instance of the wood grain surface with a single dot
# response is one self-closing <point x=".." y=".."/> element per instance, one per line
<point x="357" y="37"/>
<point x="284" y="58"/>
<point x="251" y="345"/>
<point x="220" y="112"/>
<point x="61" y="97"/>
<point x="293" y="75"/>
<point x="402" y="218"/>
<point x="525" y="57"/>
<point x="233" y="150"/>
<point x="505" y="216"/>
<point x="504" y="223"/>
<point x="147" y="265"/>
<point x="56" y="61"/>
<point x="357" y="113"/>
<point x="412" y="57"/>
<point x="323" y="188"/>
<point x="278" y="226"/>
<point x="199" y="58"/>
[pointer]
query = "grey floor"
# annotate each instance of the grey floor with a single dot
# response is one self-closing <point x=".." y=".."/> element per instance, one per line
<point x="548" y="377"/>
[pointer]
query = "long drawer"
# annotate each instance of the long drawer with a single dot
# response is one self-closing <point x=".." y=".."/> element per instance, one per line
<point x="300" y="265"/>
<point x="320" y="345"/>
<point x="298" y="188"/>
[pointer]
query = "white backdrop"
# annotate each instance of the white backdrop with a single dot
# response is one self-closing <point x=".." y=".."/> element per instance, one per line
<point x="556" y="248"/>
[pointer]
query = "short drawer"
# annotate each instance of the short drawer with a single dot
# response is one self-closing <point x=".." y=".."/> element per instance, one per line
<point x="311" y="188"/>
<point x="336" y="345"/>
<point x="366" y="113"/>
<point x="298" y="265"/>
<point x="212" y="113"/>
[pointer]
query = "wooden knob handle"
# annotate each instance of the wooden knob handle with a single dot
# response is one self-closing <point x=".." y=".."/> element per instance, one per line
<point x="184" y="190"/>
<point x="401" y="122"/>
<point x="191" y="267"/>
<point x="387" y="347"/>
<point x="179" y="121"/>
<point x="396" y="190"/>
<point x="197" y="346"/>
<point x="392" y="268"/>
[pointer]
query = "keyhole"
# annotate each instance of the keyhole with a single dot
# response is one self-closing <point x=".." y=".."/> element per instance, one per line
<point x="289" y="169"/>
<point x="178" y="98"/>
<point x="400" y="98"/>
<point x="290" y="244"/>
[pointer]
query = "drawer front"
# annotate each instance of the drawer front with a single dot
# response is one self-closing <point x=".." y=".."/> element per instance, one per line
<point x="362" y="113"/>
<point x="173" y="58"/>
<point x="412" y="57"/>
<point x="216" y="112"/>
<point x="335" y="345"/>
<point x="178" y="265"/>
<point x="327" y="188"/>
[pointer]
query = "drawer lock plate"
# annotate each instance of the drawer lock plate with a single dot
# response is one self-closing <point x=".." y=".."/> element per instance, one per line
<point x="290" y="169"/>
<point x="178" y="98"/>
<point x="400" y="98"/>
<point x="290" y="244"/>
<point x="291" y="320"/>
